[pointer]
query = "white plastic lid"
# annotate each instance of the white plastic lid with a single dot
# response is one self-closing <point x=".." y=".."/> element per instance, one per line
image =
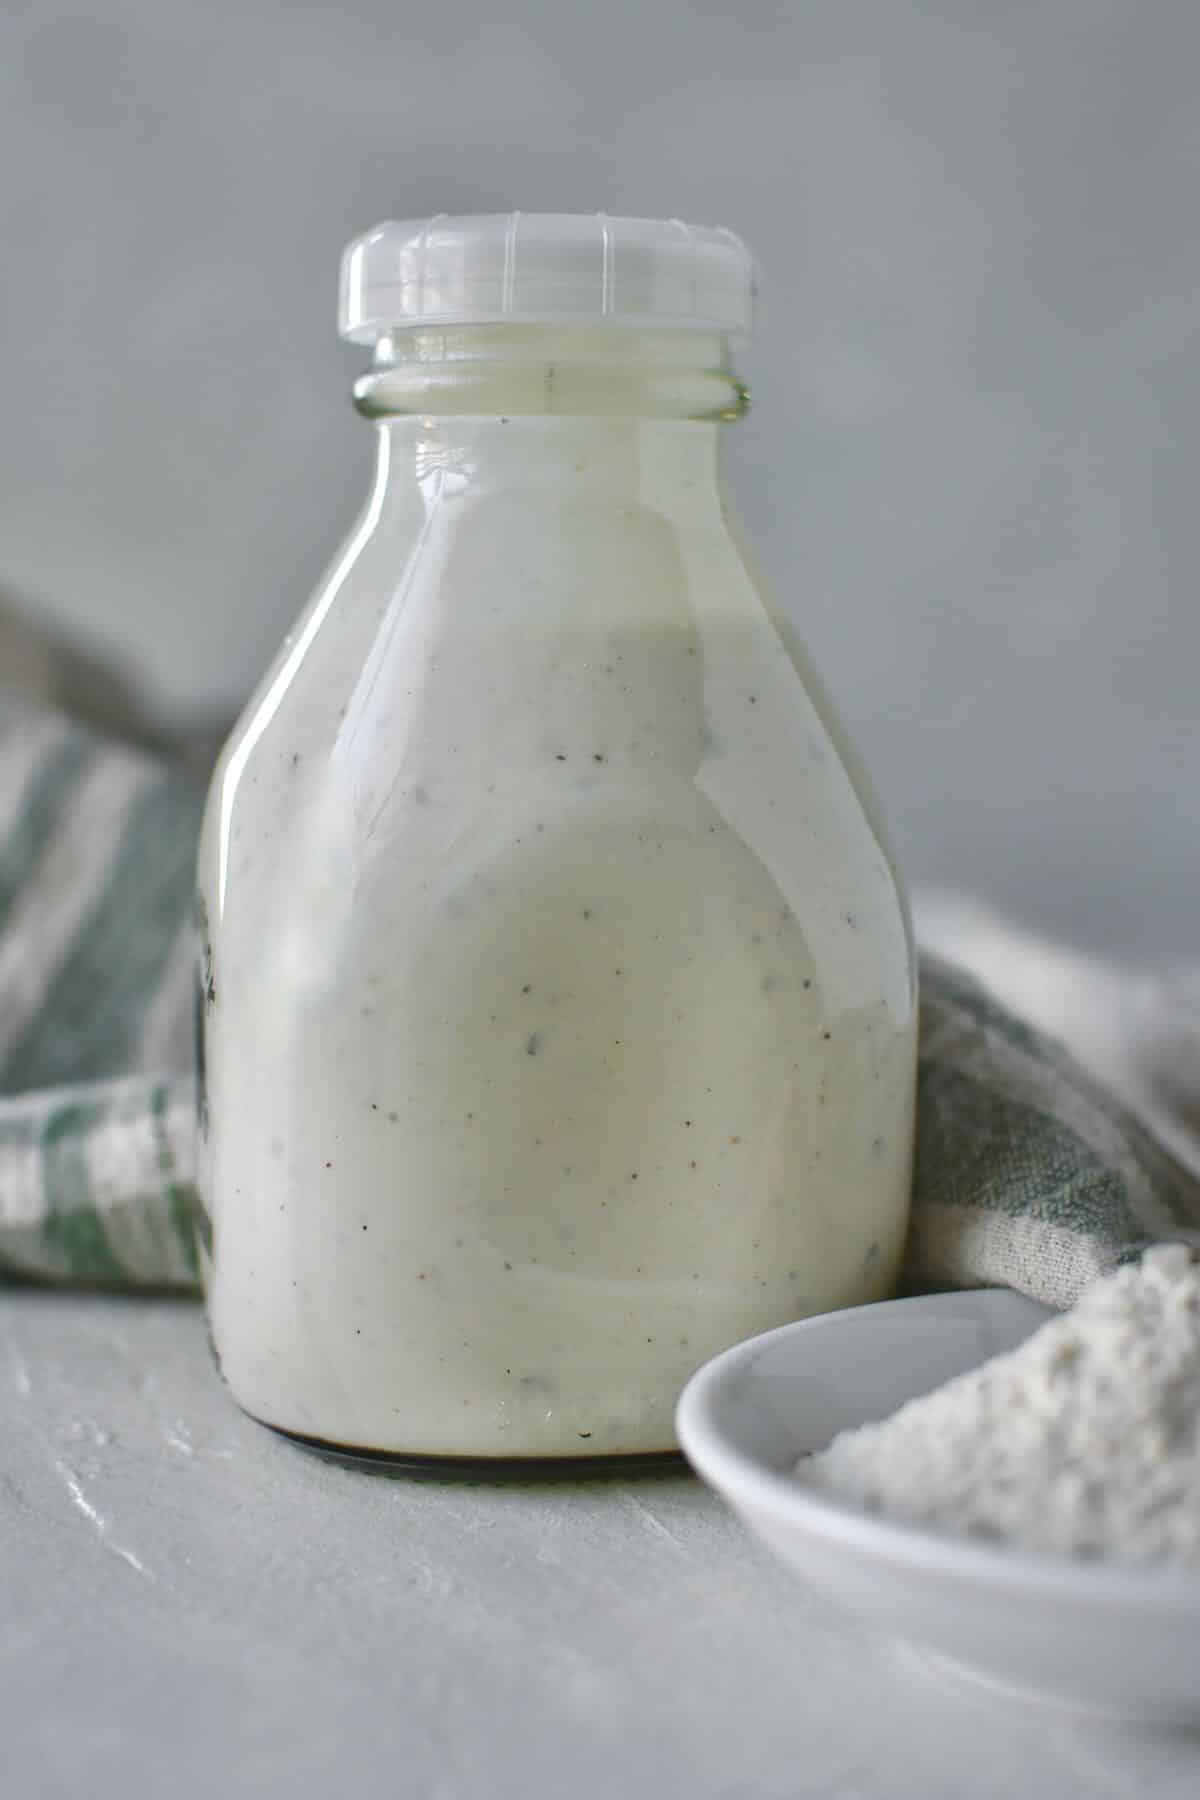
<point x="545" y="268"/>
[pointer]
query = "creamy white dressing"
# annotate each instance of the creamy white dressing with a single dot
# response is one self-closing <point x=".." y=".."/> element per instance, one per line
<point x="561" y="1021"/>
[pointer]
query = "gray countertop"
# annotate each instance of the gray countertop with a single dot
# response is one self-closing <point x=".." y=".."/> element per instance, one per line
<point x="194" y="1607"/>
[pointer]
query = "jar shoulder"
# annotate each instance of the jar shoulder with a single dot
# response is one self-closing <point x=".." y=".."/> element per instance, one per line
<point x="441" y="691"/>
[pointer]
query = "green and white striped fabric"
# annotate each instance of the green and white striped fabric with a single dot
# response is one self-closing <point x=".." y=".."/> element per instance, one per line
<point x="97" y="854"/>
<point x="1027" y="1174"/>
<point x="95" y="1183"/>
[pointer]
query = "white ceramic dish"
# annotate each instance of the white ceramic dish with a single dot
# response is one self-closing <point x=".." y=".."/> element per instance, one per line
<point x="1099" y="1637"/>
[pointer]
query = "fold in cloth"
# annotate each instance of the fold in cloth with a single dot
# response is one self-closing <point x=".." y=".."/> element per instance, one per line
<point x="1029" y="1172"/>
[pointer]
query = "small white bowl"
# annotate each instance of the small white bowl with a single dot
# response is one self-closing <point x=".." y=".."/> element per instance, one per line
<point x="1100" y="1637"/>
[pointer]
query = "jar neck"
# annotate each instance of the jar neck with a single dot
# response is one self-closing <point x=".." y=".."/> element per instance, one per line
<point x="522" y="371"/>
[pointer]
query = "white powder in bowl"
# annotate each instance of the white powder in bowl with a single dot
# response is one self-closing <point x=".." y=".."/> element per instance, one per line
<point x="1085" y="1439"/>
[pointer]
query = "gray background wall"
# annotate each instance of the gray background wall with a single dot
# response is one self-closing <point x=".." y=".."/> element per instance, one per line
<point x="971" y="465"/>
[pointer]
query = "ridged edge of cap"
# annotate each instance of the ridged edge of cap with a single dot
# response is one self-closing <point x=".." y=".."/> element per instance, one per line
<point x="546" y="268"/>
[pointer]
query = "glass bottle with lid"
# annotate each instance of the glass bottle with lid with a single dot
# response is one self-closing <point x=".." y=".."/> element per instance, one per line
<point x="559" y="1003"/>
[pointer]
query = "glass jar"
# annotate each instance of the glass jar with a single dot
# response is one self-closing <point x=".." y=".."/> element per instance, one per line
<point x="558" y="993"/>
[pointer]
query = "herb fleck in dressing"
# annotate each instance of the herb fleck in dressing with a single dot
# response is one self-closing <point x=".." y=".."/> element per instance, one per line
<point x="577" y="1004"/>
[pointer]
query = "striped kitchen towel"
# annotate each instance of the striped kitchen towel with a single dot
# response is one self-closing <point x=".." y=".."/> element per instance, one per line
<point x="97" y="855"/>
<point x="1028" y="1173"/>
<point x="96" y="1183"/>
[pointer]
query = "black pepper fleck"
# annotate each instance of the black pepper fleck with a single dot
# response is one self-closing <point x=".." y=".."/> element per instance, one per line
<point x="533" y="1043"/>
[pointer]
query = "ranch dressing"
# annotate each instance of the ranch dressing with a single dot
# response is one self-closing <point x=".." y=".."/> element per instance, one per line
<point x="558" y="994"/>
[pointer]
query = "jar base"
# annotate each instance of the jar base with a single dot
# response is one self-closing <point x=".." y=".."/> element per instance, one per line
<point x="410" y="1464"/>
